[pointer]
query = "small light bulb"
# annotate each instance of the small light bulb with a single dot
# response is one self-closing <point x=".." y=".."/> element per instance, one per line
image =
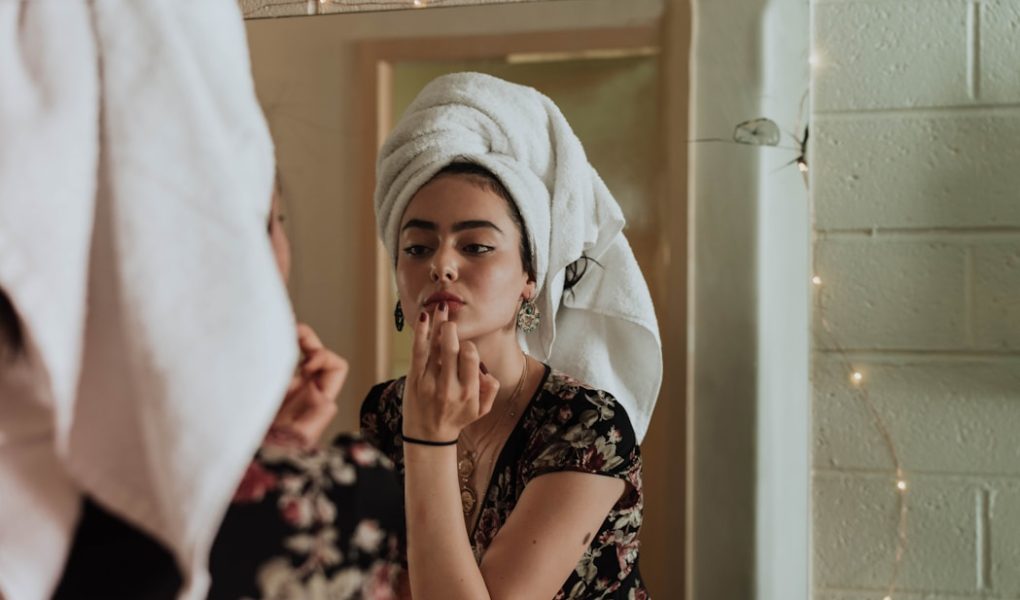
<point x="419" y="3"/>
<point x="802" y="166"/>
<point x="901" y="485"/>
<point x="857" y="377"/>
<point x="816" y="280"/>
<point x="887" y="598"/>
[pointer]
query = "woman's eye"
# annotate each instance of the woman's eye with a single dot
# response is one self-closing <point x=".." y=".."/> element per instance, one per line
<point x="478" y="249"/>
<point x="415" y="250"/>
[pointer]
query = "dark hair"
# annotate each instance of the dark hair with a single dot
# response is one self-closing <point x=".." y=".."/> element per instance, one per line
<point x="12" y="340"/>
<point x="488" y="180"/>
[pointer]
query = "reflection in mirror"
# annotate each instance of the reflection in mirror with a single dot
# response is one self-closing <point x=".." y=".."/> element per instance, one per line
<point x="332" y="87"/>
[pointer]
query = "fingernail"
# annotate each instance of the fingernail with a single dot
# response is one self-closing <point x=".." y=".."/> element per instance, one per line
<point x="442" y="306"/>
<point x="422" y="317"/>
<point x="481" y="366"/>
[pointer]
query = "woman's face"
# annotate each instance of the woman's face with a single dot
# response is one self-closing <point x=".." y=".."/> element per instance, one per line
<point x="278" y="236"/>
<point x="459" y="244"/>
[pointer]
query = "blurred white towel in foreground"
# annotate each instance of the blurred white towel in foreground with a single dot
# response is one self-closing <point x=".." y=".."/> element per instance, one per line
<point x="135" y="177"/>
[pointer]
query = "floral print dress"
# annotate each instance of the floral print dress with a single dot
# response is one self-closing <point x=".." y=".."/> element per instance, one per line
<point x="321" y="524"/>
<point x="567" y="426"/>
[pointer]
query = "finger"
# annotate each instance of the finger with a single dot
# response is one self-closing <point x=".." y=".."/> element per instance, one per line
<point x="469" y="371"/>
<point x="331" y="380"/>
<point x="291" y="404"/>
<point x="318" y="360"/>
<point x="488" y="387"/>
<point x="449" y="349"/>
<point x="420" y="346"/>
<point x="308" y="341"/>
<point x="316" y="414"/>
<point x="439" y="316"/>
<point x="295" y="383"/>
<point x="323" y="364"/>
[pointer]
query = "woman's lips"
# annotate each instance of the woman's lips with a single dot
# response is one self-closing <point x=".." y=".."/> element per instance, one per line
<point x="452" y="305"/>
<point x="452" y="300"/>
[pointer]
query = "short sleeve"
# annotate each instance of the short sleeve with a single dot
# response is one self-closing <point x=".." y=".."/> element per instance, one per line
<point x="370" y="416"/>
<point x="585" y="431"/>
<point x="380" y="417"/>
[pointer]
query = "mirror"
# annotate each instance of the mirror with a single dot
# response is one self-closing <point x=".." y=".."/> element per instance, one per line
<point x="332" y="87"/>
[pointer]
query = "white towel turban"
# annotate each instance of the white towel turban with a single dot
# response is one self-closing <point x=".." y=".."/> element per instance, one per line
<point x="605" y="331"/>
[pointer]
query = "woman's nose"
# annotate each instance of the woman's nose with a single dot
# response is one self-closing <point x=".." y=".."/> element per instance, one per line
<point x="443" y="267"/>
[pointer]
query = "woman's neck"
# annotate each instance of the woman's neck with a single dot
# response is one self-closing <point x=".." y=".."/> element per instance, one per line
<point x="504" y="360"/>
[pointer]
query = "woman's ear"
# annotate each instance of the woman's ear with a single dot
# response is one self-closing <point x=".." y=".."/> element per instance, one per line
<point x="529" y="289"/>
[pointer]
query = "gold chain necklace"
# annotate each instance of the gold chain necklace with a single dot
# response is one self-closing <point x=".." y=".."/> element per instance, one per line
<point x="467" y="462"/>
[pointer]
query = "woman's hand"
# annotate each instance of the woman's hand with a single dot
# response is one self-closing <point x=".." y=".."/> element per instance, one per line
<point x="310" y="402"/>
<point x="446" y="388"/>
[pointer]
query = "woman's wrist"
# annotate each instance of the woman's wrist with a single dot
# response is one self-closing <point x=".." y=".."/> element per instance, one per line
<point x="428" y="442"/>
<point x="431" y="459"/>
<point x="430" y="436"/>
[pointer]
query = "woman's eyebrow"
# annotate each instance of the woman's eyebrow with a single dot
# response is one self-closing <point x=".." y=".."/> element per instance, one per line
<point x="463" y="225"/>
<point x="419" y="224"/>
<point x="457" y="227"/>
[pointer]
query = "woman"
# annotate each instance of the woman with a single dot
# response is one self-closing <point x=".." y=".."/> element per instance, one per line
<point x="521" y="481"/>
<point x="308" y="522"/>
<point x="305" y="522"/>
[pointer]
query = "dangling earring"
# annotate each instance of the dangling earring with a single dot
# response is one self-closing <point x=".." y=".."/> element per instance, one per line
<point x="398" y="317"/>
<point x="528" y="316"/>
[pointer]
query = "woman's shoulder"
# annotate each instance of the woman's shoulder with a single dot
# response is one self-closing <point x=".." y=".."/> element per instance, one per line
<point x="576" y="426"/>
<point x="383" y="394"/>
<point x="571" y="404"/>
<point x="380" y="416"/>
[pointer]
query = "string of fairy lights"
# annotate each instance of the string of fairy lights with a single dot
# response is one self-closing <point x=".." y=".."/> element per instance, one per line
<point x="857" y="382"/>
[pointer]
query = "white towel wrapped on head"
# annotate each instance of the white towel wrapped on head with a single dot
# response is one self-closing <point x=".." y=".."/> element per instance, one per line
<point x="603" y="330"/>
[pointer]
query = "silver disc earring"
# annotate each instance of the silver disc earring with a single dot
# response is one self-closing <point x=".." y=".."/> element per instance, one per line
<point x="528" y="316"/>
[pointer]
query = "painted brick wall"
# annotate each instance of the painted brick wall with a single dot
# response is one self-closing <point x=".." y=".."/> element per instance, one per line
<point x="916" y="185"/>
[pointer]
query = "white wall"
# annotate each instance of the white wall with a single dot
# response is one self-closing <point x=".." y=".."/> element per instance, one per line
<point x="916" y="179"/>
<point x="782" y="556"/>
<point x="748" y="317"/>
<point x="725" y="89"/>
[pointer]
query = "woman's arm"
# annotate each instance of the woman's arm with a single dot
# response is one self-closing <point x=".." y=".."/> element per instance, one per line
<point x="532" y="555"/>
<point x="439" y="557"/>
<point x="445" y="391"/>
<point x="548" y="530"/>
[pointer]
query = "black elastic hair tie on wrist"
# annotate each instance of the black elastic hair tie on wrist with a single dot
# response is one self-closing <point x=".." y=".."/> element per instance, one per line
<point x="411" y="440"/>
